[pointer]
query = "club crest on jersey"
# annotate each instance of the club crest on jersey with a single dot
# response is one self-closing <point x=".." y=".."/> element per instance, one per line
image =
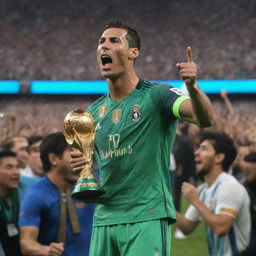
<point x="102" y="110"/>
<point x="177" y="91"/>
<point x="135" y="115"/>
<point x="116" y="116"/>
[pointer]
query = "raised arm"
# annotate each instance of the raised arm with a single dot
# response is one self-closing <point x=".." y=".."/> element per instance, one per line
<point x="198" y="109"/>
<point x="229" y="106"/>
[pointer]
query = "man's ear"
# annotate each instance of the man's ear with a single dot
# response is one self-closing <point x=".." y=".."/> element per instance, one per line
<point x="134" y="53"/>
<point x="219" y="158"/>
<point x="53" y="159"/>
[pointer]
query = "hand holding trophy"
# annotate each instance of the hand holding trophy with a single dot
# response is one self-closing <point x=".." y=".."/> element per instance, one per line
<point x="79" y="132"/>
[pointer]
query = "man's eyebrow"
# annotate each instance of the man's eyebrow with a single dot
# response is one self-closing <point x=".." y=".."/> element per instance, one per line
<point x="111" y="37"/>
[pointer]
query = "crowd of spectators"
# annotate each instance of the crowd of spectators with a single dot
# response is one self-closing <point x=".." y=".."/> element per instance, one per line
<point x="41" y="115"/>
<point x="57" y="40"/>
<point x="25" y="116"/>
<point x="240" y="124"/>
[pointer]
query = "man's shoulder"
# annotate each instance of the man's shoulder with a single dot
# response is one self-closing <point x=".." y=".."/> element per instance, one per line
<point x="226" y="178"/>
<point x="28" y="181"/>
<point x="148" y="85"/>
<point x="40" y="187"/>
<point x="97" y="103"/>
<point x="43" y="193"/>
<point x="230" y="184"/>
<point x="158" y="89"/>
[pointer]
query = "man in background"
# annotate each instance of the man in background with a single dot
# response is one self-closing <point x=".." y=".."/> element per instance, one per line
<point x="19" y="145"/>
<point x="24" y="149"/>
<point x="34" y="160"/>
<point x="50" y="222"/>
<point x="9" y="204"/>
<point x="222" y="203"/>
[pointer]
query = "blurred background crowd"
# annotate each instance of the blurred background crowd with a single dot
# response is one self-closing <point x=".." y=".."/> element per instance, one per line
<point x="40" y="115"/>
<point x="56" y="40"/>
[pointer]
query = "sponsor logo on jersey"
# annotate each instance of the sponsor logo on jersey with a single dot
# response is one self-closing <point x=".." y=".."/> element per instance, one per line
<point x="114" y="149"/>
<point x="116" y="116"/>
<point x="135" y="115"/>
<point x="102" y="110"/>
<point x="177" y="91"/>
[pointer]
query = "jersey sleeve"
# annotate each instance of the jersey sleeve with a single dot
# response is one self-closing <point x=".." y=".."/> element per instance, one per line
<point x="230" y="199"/>
<point x="168" y="99"/>
<point x="31" y="207"/>
<point x="192" y="214"/>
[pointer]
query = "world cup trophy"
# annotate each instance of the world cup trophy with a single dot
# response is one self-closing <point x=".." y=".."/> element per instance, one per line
<point x="79" y="132"/>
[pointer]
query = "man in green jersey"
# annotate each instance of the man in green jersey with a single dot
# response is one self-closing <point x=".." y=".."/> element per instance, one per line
<point x="135" y="129"/>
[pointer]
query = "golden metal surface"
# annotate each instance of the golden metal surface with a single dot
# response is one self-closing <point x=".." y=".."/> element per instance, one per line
<point x="79" y="132"/>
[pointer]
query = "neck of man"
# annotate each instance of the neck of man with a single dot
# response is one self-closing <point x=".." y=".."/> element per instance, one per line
<point x="4" y="192"/>
<point x="123" y="85"/>
<point x="214" y="173"/>
<point x="58" y="181"/>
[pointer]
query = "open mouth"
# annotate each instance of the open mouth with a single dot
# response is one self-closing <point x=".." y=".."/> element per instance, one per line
<point x="105" y="59"/>
<point x="197" y="161"/>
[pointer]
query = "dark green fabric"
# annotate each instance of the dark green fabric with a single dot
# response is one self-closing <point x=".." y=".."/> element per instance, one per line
<point x="134" y="138"/>
<point x="143" y="238"/>
<point x="10" y="215"/>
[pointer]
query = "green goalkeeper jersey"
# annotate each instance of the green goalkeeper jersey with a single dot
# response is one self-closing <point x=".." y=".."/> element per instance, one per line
<point x="134" y="138"/>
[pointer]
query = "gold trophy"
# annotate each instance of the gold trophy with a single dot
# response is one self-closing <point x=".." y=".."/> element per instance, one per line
<point x="79" y="132"/>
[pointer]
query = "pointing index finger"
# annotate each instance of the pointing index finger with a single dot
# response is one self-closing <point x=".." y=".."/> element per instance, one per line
<point x="189" y="54"/>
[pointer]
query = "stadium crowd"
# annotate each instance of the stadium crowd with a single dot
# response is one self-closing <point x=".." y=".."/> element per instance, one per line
<point x="18" y="116"/>
<point x="27" y="117"/>
<point x="54" y="40"/>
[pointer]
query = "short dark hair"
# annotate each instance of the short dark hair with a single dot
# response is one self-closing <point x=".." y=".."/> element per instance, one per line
<point x="222" y="143"/>
<point x="250" y="157"/>
<point x="5" y="153"/>
<point x="34" y="139"/>
<point x="131" y="36"/>
<point x="53" y="143"/>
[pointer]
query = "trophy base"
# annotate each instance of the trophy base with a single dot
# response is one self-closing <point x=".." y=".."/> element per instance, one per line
<point x="87" y="190"/>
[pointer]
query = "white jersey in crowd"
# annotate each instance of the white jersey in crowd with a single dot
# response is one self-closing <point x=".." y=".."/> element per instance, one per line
<point x="27" y="171"/>
<point x="225" y="196"/>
